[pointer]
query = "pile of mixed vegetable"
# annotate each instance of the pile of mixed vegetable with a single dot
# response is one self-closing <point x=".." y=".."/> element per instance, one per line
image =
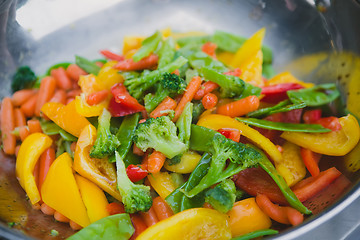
<point x="186" y="136"/>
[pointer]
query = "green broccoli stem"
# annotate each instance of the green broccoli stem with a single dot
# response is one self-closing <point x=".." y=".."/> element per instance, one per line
<point x="123" y="182"/>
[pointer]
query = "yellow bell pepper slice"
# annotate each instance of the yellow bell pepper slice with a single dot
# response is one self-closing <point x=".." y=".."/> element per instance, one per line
<point x="94" y="199"/>
<point x="352" y="161"/>
<point x="131" y="43"/>
<point x="217" y="121"/>
<point x="108" y="76"/>
<point x="225" y="57"/>
<point x="286" y="77"/>
<point x="30" y="150"/>
<point x="65" y="116"/>
<point x="187" y="164"/>
<point x="99" y="171"/>
<point x="334" y="143"/>
<point x="249" y="49"/>
<point x="246" y="216"/>
<point x="166" y="32"/>
<point x="89" y="84"/>
<point x="192" y="224"/>
<point x="61" y="192"/>
<point x="162" y="183"/>
<point x="86" y="110"/>
<point x="292" y="168"/>
<point x="251" y="70"/>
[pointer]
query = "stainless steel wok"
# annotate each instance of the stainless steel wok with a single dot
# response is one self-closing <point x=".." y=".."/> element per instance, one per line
<point x="318" y="41"/>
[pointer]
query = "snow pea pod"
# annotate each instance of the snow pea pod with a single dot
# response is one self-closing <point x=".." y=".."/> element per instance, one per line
<point x="289" y="127"/>
<point x="283" y="106"/>
<point x="87" y="65"/>
<point x="256" y="234"/>
<point x="199" y="60"/>
<point x="148" y="45"/>
<point x="166" y="52"/>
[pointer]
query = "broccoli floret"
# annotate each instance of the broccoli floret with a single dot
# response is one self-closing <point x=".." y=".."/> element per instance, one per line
<point x="169" y="85"/>
<point x="23" y="78"/>
<point x="240" y="155"/>
<point x="136" y="197"/>
<point x="160" y="134"/>
<point x="222" y="197"/>
<point x="230" y="86"/>
<point x="106" y="142"/>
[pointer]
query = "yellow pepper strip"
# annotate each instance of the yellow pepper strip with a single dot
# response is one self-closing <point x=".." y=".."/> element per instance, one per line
<point x="30" y="150"/>
<point x="249" y="49"/>
<point x="166" y="32"/>
<point x="195" y="223"/>
<point x="217" y="121"/>
<point x="88" y="84"/>
<point x="225" y="57"/>
<point x="99" y="171"/>
<point x="334" y="143"/>
<point x="65" y="116"/>
<point x="246" y="216"/>
<point x="187" y="164"/>
<point x="108" y="76"/>
<point x="94" y="199"/>
<point x="352" y="161"/>
<point x="86" y="110"/>
<point x="286" y="77"/>
<point x="131" y="42"/>
<point x="251" y="70"/>
<point x="292" y="168"/>
<point x="162" y="183"/>
<point x="61" y="192"/>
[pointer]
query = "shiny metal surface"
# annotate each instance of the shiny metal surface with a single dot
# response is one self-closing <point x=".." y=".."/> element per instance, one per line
<point x="312" y="44"/>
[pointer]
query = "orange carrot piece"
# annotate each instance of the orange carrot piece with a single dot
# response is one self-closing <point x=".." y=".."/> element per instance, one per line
<point x="275" y="212"/>
<point x="46" y="91"/>
<point x="7" y="126"/>
<point x="149" y="217"/>
<point x="311" y="160"/>
<point x="61" y="218"/>
<point x="23" y="132"/>
<point x="73" y="146"/>
<point x="36" y="173"/>
<point x="207" y="205"/>
<point x="294" y="216"/>
<point x="209" y="48"/>
<point x="21" y="96"/>
<point x="74" y="72"/>
<point x="45" y="161"/>
<point x="205" y="88"/>
<point x="167" y="104"/>
<point x="47" y="210"/>
<point x="191" y="89"/>
<point x="59" y="96"/>
<point x="74" y="93"/>
<point x="144" y="163"/>
<point x="156" y="162"/>
<point x="161" y="208"/>
<point x="115" y="208"/>
<point x="28" y="108"/>
<point x="209" y="100"/>
<point x="137" y="151"/>
<point x="62" y="79"/>
<point x="20" y="119"/>
<point x="239" y="107"/>
<point x="138" y="224"/>
<point x="34" y="126"/>
<point x="69" y="100"/>
<point x="17" y="148"/>
<point x="74" y="226"/>
<point x="145" y="63"/>
<point x="97" y="97"/>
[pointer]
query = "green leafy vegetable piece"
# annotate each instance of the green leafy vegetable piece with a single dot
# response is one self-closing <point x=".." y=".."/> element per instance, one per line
<point x="147" y="46"/>
<point x="199" y="60"/>
<point x="87" y="65"/>
<point x="116" y="226"/>
<point x="24" y="77"/>
<point x="193" y="40"/>
<point x="283" y="106"/>
<point x="256" y="234"/>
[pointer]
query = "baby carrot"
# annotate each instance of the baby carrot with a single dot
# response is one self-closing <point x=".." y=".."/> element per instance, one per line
<point x="61" y="218"/>
<point x="209" y="100"/>
<point x="145" y="63"/>
<point x="62" y="80"/>
<point x="167" y="104"/>
<point x="205" y="88"/>
<point x="74" y="226"/>
<point x="138" y="224"/>
<point x="7" y="126"/>
<point x="115" y="208"/>
<point x="275" y="212"/>
<point x="191" y="89"/>
<point x="149" y="217"/>
<point x="47" y="210"/>
<point x="20" y="119"/>
<point x="36" y="174"/>
<point x="17" y="149"/>
<point x="311" y="160"/>
<point x="137" y="151"/>
<point x="59" y="96"/>
<point x="239" y="107"/>
<point x="97" y="97"/>
<point x="23" y="132"/>
<point x="45" y="161"/>
<point x="74" y="72"/>
<point x="74" y="93"/>
<point x="156" y="161"/>
<point x="34" y="126"/>
<point x="46" y="91"/>
<point x="21" y="96"/>
<point x="294" y="216"/>
<point x="28" y="108"/>
<point x="161" y="208"/>
<point x="69" y="100"/>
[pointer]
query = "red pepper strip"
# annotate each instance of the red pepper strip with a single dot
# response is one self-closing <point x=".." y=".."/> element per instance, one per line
<point x="311" y="160"/>
<point x="230" y="133"/>
<point x="331" y="123"/>
<point x="209" y="48"/>
<point x="277" y="93"/>
<point x="312" y="116"/>
<point x="145" y="63"/>
<point x="119" y="109"/>
<point x="135" y="173"/>
<point x="236" y="72"/>
<point x="112" y="56"/>
<point x="122" y="96"/>
<point x="115" y="208"/>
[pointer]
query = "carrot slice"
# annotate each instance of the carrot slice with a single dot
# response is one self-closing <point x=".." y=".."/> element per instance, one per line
<point x="209" y="100"/>
<point x="205" y="88"/>
<point x="28" y="108"/>
<point x="239" y="107"/>
<point x="62" y="79"/>
<point x="20" y="119"/>
<point x="74" y="72"/>
<point x="156" y="162"/>
<point x="47" y="90"/>
<point x="21" y="96"/>
<point x="97" y="97"/>
<point x="145" y="63"/>
<point x="7" y="126"/>
<point x="149" y="217"/>
<point x="167" y="104"/>
<point x="34" y="126"/>
<point x="311" y="160"/>
<point x="161" y="208"/>
<point x="59" y="96"/>
<point x="23" y="132"/>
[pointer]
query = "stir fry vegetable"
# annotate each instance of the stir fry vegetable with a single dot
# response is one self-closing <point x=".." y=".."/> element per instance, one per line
<point x="177" y="137"/>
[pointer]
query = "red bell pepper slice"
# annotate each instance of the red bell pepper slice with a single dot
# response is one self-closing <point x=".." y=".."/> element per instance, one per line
<point x="311" y="160"/>
<point x="145" y="63"/>
<point x="119" y="109"/>
<point x="112" y="56"/>
<point x="331" y="123"/>
<point x="135" y="173"/>
<point x="122" y="96"/>
<point x="230" y="133"/>
<point x="312" y="116"/>
<point x="277" y="93"/>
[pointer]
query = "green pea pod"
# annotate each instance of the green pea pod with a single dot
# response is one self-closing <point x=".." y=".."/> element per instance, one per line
<point x="316" y="96"/>
<point x="280" y="126"/>
<point x="199" y="60"/>
<point x="87" y="65"/>
<point x="198" y="40"/>
<point x="50" y="128"/>
<point x="166" y="52"/>
<point x="249" y="90"/>
<point x="200" y="138"/>
<point x="256" y="234"/>
<point x="67" y="136"/>
<point x="117" y="226"/>
<point x="58" y="65"/>
<point x="148" y="45"/>
<point x="283" y="106"/>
